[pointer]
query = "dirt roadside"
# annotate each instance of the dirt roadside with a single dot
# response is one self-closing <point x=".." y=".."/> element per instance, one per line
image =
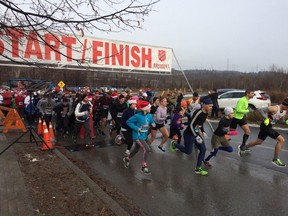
<point x="56" y="190"/>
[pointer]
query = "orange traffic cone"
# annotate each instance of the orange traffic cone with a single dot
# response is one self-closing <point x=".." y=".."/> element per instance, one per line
<point x="51" y="132"/>
<point x="47" y="144"/>
<point x="40" y="127"/>
<point x="44" y="126"/>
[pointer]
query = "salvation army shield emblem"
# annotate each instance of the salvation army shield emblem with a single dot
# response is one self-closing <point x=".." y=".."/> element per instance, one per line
<point x="162" y="55"/>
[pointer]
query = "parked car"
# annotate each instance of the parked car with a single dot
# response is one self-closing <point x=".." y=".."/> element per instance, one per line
<point x="230" y="98"/>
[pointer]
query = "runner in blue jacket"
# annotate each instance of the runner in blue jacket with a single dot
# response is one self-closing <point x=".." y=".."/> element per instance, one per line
<point x="140" y="123"/>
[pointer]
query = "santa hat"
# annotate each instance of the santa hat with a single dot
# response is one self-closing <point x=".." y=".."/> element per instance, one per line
<point x="133" y="100"/>
<point x="114" y="95"/>
<point x="90" y="97"/>
<point x="143" y="105"/>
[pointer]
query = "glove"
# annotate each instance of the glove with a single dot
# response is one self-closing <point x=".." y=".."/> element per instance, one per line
<point x="199" y="140"/>
<point x="266" y="121"/>
<point x="205" y="135"/>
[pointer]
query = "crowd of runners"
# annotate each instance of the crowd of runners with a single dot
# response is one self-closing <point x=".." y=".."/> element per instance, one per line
<point x="134" y="119"/>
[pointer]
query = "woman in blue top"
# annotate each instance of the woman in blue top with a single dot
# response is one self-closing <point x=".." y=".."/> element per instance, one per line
<point x="140" y="123"/>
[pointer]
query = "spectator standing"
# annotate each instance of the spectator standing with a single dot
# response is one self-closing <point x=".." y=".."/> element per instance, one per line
<point x="7" y="100"/>
<point x="19" y="103"/>
<point x="214" y="97"/>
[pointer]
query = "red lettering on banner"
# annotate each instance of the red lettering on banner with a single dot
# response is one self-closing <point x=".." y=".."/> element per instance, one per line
<point x="33" y="47"/>
<point x="95" y="52"/>
<point x="107" y="53"/>
<point x="135" y="55"/>
<point x="127" y="57"/>
<point x="1" y="46"/>
<point x="117" y="54"/>
<point x="52" y="44"/>
<point x="69" y="41"/>
<point x="146" y="57"/>
<point x="15" y="35"/>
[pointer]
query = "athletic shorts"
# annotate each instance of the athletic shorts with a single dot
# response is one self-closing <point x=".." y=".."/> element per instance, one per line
<point x="217" y="141"/>
<point x="236" y="122"/>
<point x="158" y="126"/>
<point x="267" y="131"/>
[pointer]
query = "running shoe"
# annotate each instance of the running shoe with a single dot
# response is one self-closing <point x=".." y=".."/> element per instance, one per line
<point x="146" y="171"/>
<point x="126" y="162"/>
<point x="89" y="145"/>
<point x="247" y="150"/>
<point x="200" y="171"/>
<point x="161" y="148"/>
<point x="118" y="140"/>
<point x="207" y="164"/>
<point x="127" y="153"/>
<point x="278" y="163"/>
<point x="240" y="151"/>
<point x="172" y="146"/>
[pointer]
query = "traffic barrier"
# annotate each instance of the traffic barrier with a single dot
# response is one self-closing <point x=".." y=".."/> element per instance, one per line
<point x="40" y="127"/>
<point x="47" y="144"/>
<point x="2" y="118"/>
<point x="12" y="121"/>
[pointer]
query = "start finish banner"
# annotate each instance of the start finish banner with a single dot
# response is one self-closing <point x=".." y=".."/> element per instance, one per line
<point x="47" y="48"/>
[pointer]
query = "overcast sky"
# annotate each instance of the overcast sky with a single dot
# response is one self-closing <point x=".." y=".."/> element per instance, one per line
<point x="243" y="35"/>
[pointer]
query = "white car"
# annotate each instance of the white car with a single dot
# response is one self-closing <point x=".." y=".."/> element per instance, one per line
<point x="261" y="99"/>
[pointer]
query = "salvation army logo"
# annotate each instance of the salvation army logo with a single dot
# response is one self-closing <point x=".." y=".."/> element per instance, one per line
<point x="162" y="55"/>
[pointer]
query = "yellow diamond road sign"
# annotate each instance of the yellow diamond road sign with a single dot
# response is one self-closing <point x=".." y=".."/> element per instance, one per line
<point x="61" y="84"/>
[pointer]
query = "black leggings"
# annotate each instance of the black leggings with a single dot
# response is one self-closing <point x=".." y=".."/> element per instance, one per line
<point x="128" y="138"/>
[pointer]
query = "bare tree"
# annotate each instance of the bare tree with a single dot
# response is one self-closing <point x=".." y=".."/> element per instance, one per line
<point x="76" y="17"/>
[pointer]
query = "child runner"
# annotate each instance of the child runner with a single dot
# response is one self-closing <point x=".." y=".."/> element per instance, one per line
<point x="140" y="123"/>
<point x="176" y="127"/>
<point x="126" y="130"/>
<point x="218" y="140"/>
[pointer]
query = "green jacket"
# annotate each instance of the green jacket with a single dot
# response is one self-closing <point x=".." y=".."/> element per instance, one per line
<point x="241" y="108"/>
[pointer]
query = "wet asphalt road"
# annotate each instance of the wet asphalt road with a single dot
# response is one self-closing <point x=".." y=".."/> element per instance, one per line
<point x="250" y="185"/>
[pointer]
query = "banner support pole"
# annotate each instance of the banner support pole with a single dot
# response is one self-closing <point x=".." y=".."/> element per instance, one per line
<point x="182" y="72"/>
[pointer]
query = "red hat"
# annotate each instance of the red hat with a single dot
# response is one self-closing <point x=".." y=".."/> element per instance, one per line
<point x="133" y="99"/>
<point x="114" y="95"/>
<point x="143" y="105"/>
<point x="90" y="97"/>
